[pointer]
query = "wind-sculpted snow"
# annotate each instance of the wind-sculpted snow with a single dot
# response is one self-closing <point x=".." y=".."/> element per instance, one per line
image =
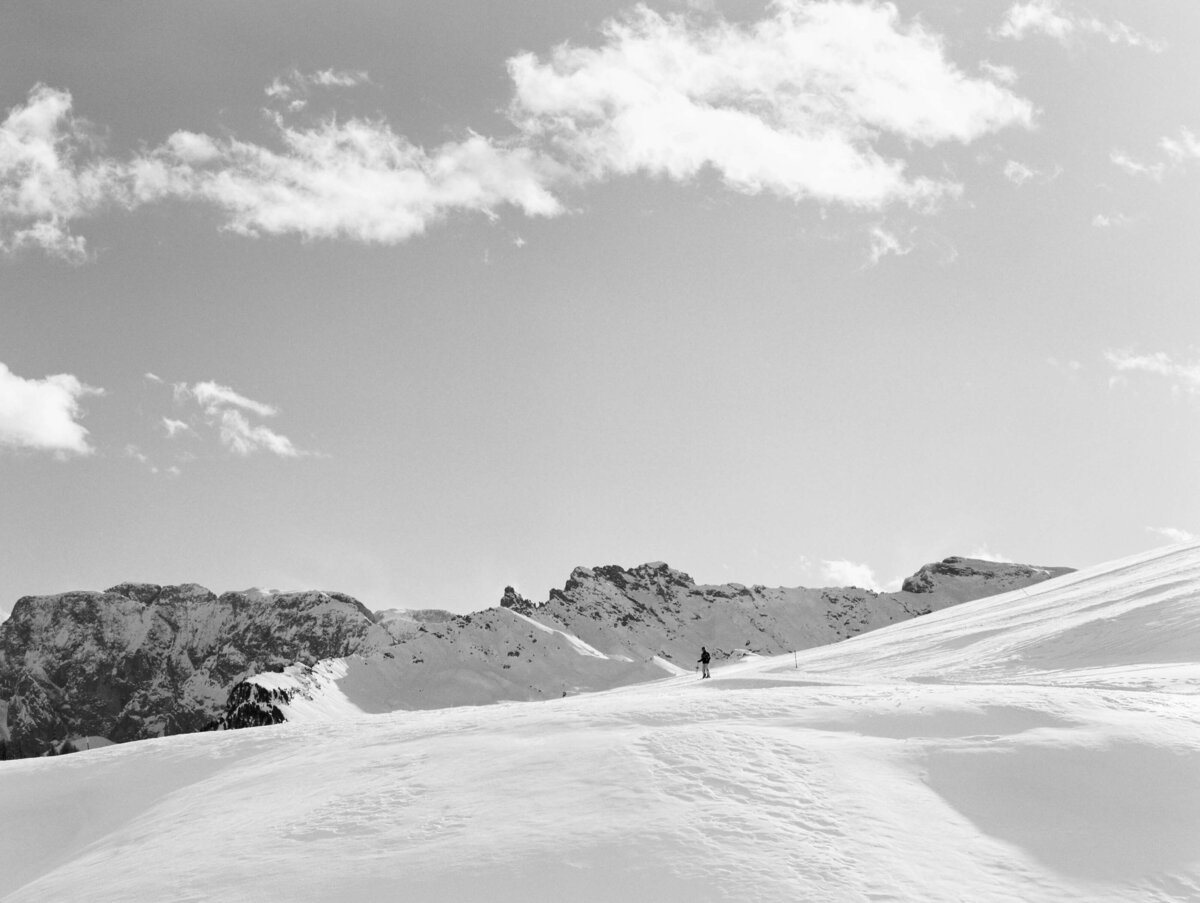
<point x="1017" y="748"/>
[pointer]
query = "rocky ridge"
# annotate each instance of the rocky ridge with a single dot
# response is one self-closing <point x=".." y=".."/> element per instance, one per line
<point x="611" y="626"/>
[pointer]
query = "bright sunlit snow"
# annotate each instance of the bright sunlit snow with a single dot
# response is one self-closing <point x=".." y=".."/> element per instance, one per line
<point x="1043" y="745"/>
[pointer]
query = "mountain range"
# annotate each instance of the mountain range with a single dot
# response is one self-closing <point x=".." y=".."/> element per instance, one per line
<point x="140" y="660"/>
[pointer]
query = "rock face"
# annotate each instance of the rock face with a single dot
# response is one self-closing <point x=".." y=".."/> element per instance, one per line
<point x="141" y="660"/>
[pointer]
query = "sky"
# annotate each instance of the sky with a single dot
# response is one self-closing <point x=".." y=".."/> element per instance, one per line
<point x="416" y="301"/>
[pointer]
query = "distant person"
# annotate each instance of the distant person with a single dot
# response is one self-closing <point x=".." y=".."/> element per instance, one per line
<point x="705" y="658"/>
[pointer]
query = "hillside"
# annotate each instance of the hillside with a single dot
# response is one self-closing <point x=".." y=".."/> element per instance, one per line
<point x="1039" y="746"/>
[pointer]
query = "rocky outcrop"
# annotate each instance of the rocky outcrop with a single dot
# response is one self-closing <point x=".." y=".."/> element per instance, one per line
<point x="251" y="705"/>
<point x="973" y="578"/>
<point x="142" y="660"/>
<point x="516" y="602"/>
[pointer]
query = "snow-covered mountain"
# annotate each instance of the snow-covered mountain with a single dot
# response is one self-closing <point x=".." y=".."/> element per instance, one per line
<point x="1040" y="746"/>
<point x="141" y="660"/>
<point x="607" y="627"/>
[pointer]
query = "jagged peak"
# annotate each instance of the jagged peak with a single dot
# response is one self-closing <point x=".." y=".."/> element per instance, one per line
<point x="642" y="576"/>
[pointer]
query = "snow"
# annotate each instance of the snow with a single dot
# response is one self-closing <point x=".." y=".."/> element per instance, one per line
<point x="1038" y="746"/>
<point x="577" y="644"/>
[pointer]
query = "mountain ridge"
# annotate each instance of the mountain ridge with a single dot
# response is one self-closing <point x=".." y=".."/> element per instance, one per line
<point x="608" y="626"/>
<point x="143" y="660"/>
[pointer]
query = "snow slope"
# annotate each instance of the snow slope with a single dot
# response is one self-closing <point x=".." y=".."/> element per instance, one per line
<point x="1043" y="745"/>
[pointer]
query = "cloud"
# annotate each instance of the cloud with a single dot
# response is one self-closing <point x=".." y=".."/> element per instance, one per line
<point x="983" y="553"/>
<point x="175" y="427"/>
<point x="1051" y="19"/>
<point x="1176" y="152"/>
<point x="1110" y="220"/>
<point x="44" y="185"/>
<point x="1182" y="149"/>
<point x="824" y="101"/>
<point x="1071" y="367"/>
<point x="43" y="414"/>
<point x="1019" y="173"/>
<point x="847" y="573"/>
<point x="1174" y="534"/>
<point x="798" y="104"/>
<point x="1183" y="377"/>
<point x="883" y="243"/>
<point x="241" y="438"/>
<point x="1128" y="164"/>
<point x="293" y="88"/>
<point x="1005" y="75"/>
<point x="213" y="396"/>
<point x="355" y="179"/>
<point x="226" y="410"/>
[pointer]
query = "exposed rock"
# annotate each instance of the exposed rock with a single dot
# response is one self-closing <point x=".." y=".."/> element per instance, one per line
<point x="250" y="705"/>
<point x="958" y="575"/>
<point x="141" y="660"/>
<point x="514" y="600"/>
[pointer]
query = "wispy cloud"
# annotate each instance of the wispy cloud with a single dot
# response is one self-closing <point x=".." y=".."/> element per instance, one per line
<point x="884" y="242"/>
<point x="175" y="428"/>
<point x="1175" y="152"/>
<point x="43" y="414"/>
<point x="1183" y="377"/>
<point x="294" y="87"/>
<point x="1020" y="173"/>
<point x="1070" y="367"/>
<point x="1111" y="220"/>
<point x="1183" y="148"/>
<point x="1133" y="167"/>
<point x="798" y="104"/>
<point x="226" y="411"/>
<point x="1052" y="19"/>
<point x="1174" y="534"/>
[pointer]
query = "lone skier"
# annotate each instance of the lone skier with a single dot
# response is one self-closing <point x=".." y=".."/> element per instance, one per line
<point x="705" y="658"/>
